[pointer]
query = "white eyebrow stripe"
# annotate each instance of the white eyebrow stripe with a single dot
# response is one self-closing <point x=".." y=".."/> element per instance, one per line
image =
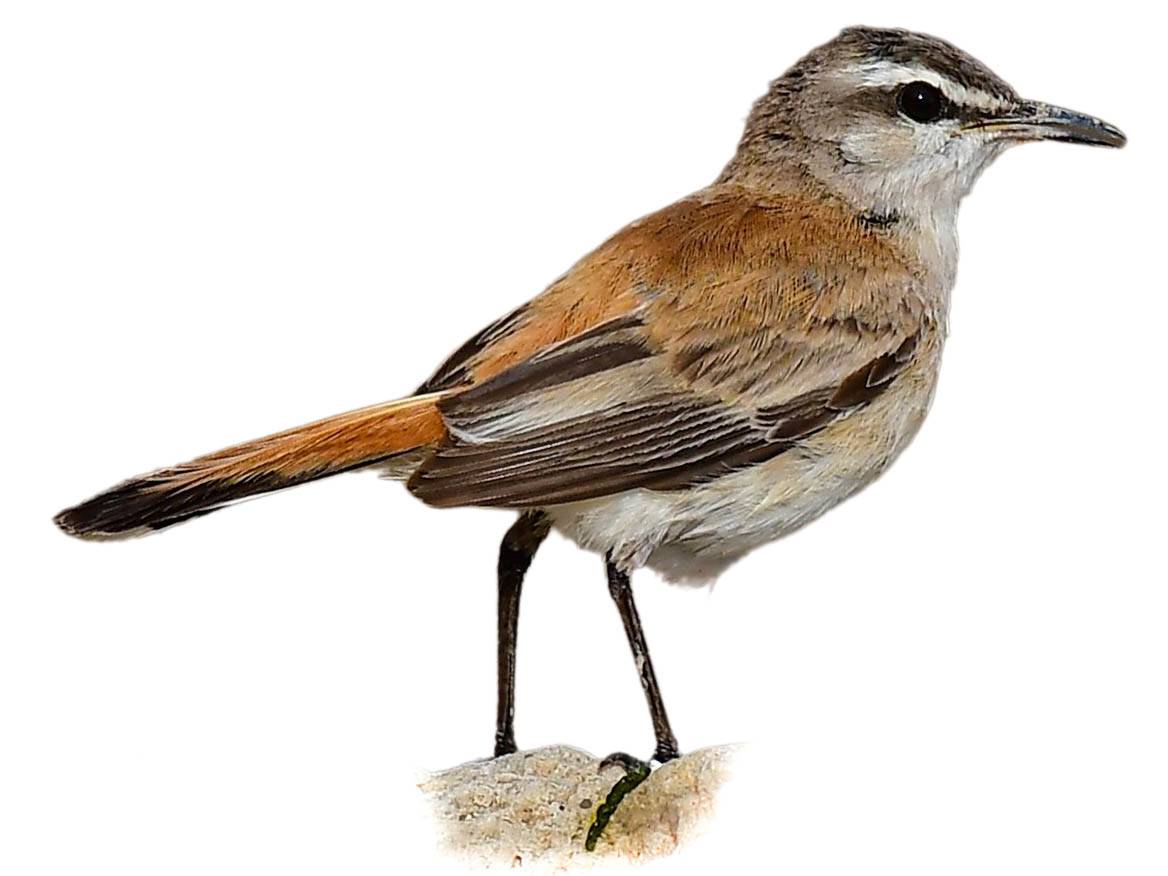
<point x="879" y="73"/>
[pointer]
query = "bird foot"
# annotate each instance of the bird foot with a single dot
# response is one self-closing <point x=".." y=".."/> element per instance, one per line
<point x="626" y="762"/>
<point x="505" y="746"/>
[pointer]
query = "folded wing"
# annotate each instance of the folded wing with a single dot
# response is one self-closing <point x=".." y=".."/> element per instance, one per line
<point x="699" y="341"/>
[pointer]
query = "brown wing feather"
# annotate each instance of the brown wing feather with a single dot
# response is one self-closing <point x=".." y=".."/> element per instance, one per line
<point x="666" y="441"/>
<point x="713" y="335"/>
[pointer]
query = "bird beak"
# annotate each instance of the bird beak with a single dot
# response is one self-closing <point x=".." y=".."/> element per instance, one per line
<point x="1043" y="121"/>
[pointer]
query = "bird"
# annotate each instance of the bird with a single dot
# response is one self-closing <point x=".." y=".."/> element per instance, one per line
<point x="711" y="378"/>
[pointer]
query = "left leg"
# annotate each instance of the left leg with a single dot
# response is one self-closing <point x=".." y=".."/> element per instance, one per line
<point x="515" y="554"/>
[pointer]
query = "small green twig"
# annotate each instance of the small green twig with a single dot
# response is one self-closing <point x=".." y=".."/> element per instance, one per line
<point x="636" y="774"/>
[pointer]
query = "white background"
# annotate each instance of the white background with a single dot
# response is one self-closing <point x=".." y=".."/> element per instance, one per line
<point x="224" y="218"/>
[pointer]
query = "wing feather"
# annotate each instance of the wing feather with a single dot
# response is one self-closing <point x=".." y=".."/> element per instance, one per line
<point x="707" y="338"/>
<point x="669" y="441"/>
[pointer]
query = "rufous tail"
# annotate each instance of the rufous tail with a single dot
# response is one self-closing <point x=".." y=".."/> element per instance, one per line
<point x="327" y="447"/>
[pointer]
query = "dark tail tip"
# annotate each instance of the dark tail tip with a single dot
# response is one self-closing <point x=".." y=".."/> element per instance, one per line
<point x="72" y="522"/>
<point x="140" y="506"/>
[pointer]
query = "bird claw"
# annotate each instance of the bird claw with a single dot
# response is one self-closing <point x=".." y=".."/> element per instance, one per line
<point x="626" y="762"/>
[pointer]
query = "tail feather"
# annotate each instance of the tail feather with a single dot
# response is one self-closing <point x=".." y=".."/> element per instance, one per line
<point x="353" y="440"/>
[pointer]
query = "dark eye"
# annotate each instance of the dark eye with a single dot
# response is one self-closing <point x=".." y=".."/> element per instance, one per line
<point x="921" y="102"/>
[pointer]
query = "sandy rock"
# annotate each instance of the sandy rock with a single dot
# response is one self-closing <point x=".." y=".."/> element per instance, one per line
<point x="535" y="807"/>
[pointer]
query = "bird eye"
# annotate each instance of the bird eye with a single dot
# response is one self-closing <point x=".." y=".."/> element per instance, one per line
<point x="921" y="102"/>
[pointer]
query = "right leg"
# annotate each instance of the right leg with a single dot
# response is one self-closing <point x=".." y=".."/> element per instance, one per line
<point x="621" y="591"/>
<point x="515" y="554"/>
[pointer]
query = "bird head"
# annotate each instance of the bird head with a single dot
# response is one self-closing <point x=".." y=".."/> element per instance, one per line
<point x="889" y="117"/>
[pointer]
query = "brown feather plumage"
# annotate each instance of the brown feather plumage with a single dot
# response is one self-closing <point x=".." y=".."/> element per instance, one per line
<point x="740" y="328"/>
<point x="341" y="443"/>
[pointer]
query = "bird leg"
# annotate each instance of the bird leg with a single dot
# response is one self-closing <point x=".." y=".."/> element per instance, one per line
<point x="621" y="591"/>
<point x="636" y="771"/>
<point x="515" y="554"/>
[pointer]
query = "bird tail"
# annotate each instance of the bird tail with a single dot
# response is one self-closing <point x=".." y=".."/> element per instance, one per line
<point x="357" y="439"/>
